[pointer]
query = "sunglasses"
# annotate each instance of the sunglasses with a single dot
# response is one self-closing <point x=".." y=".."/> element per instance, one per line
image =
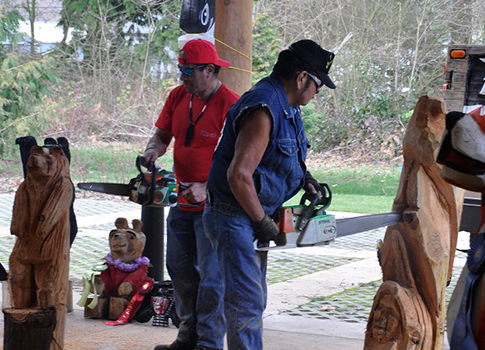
<point x="190" y="71"/>
<point x="316" y="80"/>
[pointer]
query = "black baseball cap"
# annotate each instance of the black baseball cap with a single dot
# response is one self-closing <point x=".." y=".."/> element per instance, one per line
<point x="318" y="59"/>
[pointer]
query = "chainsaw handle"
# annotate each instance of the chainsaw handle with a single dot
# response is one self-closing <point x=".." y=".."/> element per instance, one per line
<point x="307" y="213"/>
<point x="326" y="197"/>
<point x="151" y="166"/>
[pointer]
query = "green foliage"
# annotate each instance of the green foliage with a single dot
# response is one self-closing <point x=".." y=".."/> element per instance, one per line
<point x="9" y="22"/>
<point x="23" y="83"/>
<point x="266" y="46"/>
<point x="395" y="53"/>
<point x="322" y="131"/>
<point x="132" y="31"/>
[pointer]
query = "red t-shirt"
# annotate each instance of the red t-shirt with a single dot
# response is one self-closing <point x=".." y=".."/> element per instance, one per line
<point x="192" y="163"/>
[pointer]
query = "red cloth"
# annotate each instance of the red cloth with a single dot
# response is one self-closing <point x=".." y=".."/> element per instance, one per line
<point x="192" y="163"/>
<point x="113" y="277"/>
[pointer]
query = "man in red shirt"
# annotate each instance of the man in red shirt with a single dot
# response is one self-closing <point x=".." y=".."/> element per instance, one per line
<point x="193" y="115"/>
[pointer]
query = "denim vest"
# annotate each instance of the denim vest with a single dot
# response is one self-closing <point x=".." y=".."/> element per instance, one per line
<point x="280" y="174"/>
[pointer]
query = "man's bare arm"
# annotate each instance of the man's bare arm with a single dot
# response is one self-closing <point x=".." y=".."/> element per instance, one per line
<point x="251" y="143"/>
<point x="157" y="145"/>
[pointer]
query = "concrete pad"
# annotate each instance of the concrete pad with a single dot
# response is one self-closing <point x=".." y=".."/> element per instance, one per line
<point x="86" y="221"/>
<point x="298" y="291"/>
<point x="305" y="325"/>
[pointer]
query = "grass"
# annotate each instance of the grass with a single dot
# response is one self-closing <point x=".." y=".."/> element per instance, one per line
<point x="95" y="165"/>
<point x="370" y="180"/>
<point x="361" y="203"/>
<point x="366" y="189"/>
<point x="103" y="163"/>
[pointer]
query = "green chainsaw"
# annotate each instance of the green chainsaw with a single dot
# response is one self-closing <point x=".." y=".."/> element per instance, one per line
<point x="309" y="225"/>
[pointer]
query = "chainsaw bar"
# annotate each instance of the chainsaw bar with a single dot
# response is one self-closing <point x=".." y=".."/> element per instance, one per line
<point x="109" y="188"/>
<point x="350" y="226"/>
<point x="324" y="229"/>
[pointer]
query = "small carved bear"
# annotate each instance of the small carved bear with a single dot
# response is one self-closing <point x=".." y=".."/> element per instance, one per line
<point x="126" y="271"/>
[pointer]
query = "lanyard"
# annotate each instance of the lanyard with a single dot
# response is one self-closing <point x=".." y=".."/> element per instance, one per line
<point x="190" y="131"/>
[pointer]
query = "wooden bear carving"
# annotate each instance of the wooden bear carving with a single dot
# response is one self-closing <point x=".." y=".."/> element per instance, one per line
<point x="39" y="263"/>
<point x="126" y="272"/>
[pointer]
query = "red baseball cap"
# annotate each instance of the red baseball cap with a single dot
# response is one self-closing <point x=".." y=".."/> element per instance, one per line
<point x="200" y="51"/>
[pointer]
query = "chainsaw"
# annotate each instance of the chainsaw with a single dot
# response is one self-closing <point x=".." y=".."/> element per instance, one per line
<point x="157" y="187"/>
<point x="300" y="225"/>
<point x="309" y="225"/>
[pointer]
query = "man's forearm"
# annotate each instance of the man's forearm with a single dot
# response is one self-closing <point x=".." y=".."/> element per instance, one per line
<point x="156" y="146"/>
<point x="155" y="143"/>
<point x="245" y="193"/>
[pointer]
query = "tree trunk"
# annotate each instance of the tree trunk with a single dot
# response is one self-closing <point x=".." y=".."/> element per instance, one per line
<point x="233" y="27"/>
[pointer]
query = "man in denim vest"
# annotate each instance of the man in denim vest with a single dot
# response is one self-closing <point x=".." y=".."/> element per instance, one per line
<point x="258" y="164"/>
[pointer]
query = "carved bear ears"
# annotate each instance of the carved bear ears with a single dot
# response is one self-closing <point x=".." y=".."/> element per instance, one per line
<point x="122" y="224"/>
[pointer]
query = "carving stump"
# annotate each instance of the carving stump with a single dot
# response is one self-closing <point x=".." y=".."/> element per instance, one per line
<point x="29" y="329"/>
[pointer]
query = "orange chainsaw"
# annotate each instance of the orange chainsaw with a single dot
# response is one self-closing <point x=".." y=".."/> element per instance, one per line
<point x="157" y="187"/>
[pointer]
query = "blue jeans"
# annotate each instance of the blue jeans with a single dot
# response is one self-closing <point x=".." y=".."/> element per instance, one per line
<point x="198" y="286"/>
<point x="244" y="273"/>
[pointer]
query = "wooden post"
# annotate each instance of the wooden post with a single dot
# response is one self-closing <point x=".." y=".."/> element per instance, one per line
<point x="39" y="263"/>
<point x="417" y="254"/>
<point x="233" y="26"/>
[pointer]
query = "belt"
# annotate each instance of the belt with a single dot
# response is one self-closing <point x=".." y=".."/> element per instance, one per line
<point x="227" y="209"/>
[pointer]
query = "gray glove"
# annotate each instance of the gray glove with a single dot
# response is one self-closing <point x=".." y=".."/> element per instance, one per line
<point x="265" y="230"/>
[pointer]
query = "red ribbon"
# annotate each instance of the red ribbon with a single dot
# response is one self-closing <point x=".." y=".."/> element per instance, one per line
<point x="133" y="305"/>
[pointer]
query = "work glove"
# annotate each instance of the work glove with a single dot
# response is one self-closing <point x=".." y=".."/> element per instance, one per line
<point x="265" y="230"/>
<point x="312" y="187"/>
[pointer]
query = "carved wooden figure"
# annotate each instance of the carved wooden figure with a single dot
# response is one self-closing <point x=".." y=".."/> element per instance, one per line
<point x="39" y="263"/>
<point x="417" y="253"/>
<point x="125" y="273"/>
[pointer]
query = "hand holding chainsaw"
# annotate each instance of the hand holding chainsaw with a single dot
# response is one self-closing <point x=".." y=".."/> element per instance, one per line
<point x="149" y="157"/>
<point x="265" y="230"/>
<point x="312" y="187"/>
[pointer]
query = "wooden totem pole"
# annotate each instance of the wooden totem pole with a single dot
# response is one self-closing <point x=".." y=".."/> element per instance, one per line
<point x="417" y="254"/>
<point x="39" y="263"/>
